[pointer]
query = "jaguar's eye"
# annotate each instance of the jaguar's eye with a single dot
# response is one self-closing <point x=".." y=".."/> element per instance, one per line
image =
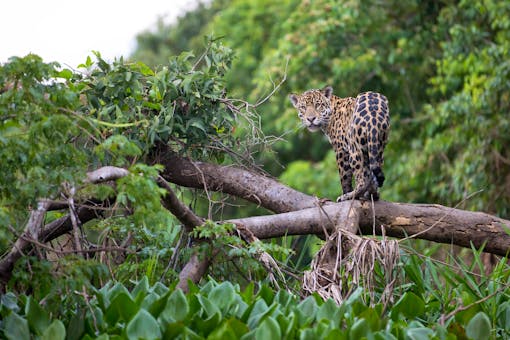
<point x="300" y="115"/>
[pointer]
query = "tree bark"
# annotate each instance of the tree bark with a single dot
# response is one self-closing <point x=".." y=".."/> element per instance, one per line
<point x="259" y="189"/>
<point x="298" y="213"/>
<point x="425" y="221"/>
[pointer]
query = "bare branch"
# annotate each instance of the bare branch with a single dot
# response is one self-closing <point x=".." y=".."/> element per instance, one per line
<point x="178" y="209"/>
<point x="32" y="230"/>
<point x="105" y="174"/>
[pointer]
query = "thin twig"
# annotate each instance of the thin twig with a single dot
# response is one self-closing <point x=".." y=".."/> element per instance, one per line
<point x="463" y="308"/>
<point x="275" y="88"/>
<point x="64" y="252"/>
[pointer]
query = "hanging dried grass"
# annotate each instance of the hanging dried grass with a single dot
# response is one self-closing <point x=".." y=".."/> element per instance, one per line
<point x="347" y="261"/>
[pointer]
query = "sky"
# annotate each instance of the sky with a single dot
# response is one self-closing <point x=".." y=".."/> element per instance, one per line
<point x="67" y="31"/>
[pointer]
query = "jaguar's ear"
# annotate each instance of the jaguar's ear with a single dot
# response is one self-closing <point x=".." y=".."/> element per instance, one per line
<point x="327" y="91"/>
<point x="293" y="99"/>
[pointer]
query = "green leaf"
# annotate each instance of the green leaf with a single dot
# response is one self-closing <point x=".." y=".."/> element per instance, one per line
<point x="66" y="74"/>
<point x="410" y="306"/>
<point x="359" y="329"/>
<point x="255" y="312"/>
<point x="38" y="319"/>
<point x="329" y="311"/>
<point x="208" y="325"/>
<point x="143" y="326"/>
<point x="121" y="307"/>
<point x="504" y="314"/>
<point x="222" y="296"/>
<point x="176" y="308"/>
<point x="144" y="69"/>
<point x="16" y="328"/>
<point x="76" y="326"/>
<point x="198" y="123"/>
<point x="209" y="308"/>
<point x="9" y="301"/>
<point x="141" y="289"/>
<point x="307" y="310"/>
<point x="420" y="333"/>
<point x="56" y="331"/>
<point x="229" y="329"/>
<point x="268" y="329"/>
<point x="479" y="327"/>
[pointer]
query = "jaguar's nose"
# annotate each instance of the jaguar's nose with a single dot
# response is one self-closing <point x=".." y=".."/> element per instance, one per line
<point x="310" y="119"/>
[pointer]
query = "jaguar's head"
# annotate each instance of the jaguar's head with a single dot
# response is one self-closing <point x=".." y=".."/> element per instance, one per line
<point x="314" y="107"/>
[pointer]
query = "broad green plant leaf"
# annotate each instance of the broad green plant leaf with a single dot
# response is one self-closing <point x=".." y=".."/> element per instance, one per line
<point x="268" y="330"/>
<point x="479" y="327"/>
<point x="360" y="329"/>
<point x="229" y="329"/>
<point x="409" y="305"/>
<point x="16" y="328"/>
<point x="176" y="308"/>
<point x="56" y="331"/>
<point x="419" y="333"/>
<point x="143" y="326"/>
<point x="222" y="296"/>
<point x="37" y="318"/>
<point x="9" y="301"/>
<point x="121" y="307"/>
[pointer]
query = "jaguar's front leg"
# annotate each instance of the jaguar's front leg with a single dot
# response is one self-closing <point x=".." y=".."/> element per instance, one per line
<point x="344" y="170"/>
<point x="361" y="176"/>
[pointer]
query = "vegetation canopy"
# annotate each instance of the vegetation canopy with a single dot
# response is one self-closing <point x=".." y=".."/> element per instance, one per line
<point x="174" y="194"/>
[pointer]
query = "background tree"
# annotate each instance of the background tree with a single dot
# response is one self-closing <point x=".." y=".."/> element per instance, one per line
<point x="180" y="140"/>
<point x="441" y="65"/>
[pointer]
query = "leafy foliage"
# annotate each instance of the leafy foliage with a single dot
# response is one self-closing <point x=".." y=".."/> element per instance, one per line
<point x="58" y="123"/>
<point x="442" y="65"/>
<point x="222" y="310"/>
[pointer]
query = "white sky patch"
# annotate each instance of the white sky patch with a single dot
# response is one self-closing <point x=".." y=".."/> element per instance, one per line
<point x="68" y="31"/>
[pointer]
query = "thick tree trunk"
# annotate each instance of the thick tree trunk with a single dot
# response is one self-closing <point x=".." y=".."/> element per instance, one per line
<point x="425" y="221"/>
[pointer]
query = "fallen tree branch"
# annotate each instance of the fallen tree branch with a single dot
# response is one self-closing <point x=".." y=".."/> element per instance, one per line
<point x="196" y="267"/>
<point x="31" y="230"/>
<point x="56" y="228"/>
<point x="452" y="226"/>
<point x="262" y="190"/>
<point x="184" y="214"/>
<point x="105" y="174"/>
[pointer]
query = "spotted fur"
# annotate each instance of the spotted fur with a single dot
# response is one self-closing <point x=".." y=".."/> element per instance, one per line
<point x="357" y="128"/>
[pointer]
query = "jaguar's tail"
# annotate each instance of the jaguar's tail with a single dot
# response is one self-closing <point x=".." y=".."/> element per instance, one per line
<point x="375" y="155"/>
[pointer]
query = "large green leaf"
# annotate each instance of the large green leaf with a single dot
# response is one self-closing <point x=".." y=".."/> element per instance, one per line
<point x="9" y="301"/>
<point x="56" y="331"/>
<point x="76" y="326"/>
<point x="121" y="307"/>
<point x="360" y="329"/>
<point x="37" y="318"/>
<point x="409" y="305"/>
<point x="143" y="326"/>
<point x="229" y="329"/>
<point x="268" y="329"/>
<point x="479" y="327"/>
<point x="419" y="333"/>
<point x="329" y="311"/>
<point x="16" y="328"/>
<point x="208" y="307"/>
<point x="222" y="296"/>
<point x="176" y="308"/>
<point x="141" y="289"/>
